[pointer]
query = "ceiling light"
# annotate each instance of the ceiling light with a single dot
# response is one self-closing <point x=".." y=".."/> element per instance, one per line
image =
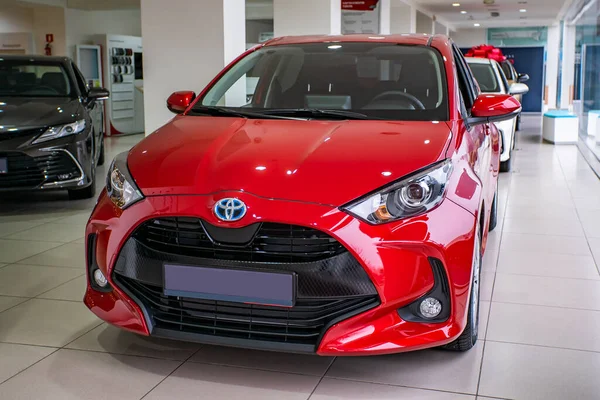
<point x="476" y="24"/>
<point x="463" y="12"/>
<point x="522" y="10"/>
<point x="455" y="4"/>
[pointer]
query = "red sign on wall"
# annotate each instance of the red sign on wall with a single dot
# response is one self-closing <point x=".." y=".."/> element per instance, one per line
<point x="49" y="38"/>
<point x="359" y="5"/>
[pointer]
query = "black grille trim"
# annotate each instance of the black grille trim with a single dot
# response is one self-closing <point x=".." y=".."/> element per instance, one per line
<point x="7" y="135"/>
<point x="339" y="276"/>
<point x="298" y="328"/>
<point x="262" y="242"/>
<point x="26" y="172"/>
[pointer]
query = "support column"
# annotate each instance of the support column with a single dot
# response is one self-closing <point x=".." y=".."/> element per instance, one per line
<point x="182" y="54"/>
<point x="552" y="61"/>
<point x="568" y="66"/>
<point x="397" y="17"/>
<point x="307" y="17"/>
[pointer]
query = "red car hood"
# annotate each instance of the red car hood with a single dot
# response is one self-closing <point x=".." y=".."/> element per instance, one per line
<point x="327" y="162"/>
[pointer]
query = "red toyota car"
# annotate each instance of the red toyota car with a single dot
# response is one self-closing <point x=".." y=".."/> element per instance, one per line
<point x="324" y="194"/>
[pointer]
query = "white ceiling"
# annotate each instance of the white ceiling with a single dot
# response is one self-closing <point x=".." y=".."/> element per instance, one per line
<point x="539" y="12"/>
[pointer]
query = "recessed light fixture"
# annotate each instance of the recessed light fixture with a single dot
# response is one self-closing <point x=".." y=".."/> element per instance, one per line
<point x="476" y="24"/>
<point x="463" y="12"/>
<point x="523" y="10"/>
<point x="455" y="4"/>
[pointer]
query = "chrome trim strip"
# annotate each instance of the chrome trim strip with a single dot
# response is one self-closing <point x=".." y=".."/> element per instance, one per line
<point x="67" y="182"/>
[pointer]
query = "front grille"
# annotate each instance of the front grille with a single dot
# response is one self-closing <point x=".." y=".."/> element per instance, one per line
<point x="302" y="324"/>
<point x="30" y="172"/>
<point x="6" y="135"/>
<point x="265" y="242"/>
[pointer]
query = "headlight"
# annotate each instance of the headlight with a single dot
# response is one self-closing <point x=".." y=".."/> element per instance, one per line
<point x="56" y="132"/>
<point x="120" y="185"/>
<point x="411" y="196"/>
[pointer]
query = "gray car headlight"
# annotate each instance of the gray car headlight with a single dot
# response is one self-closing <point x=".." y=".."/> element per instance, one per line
<point x="411" y="196"/>
<point x="55" y="132"/>
<point x="120" y="186"/>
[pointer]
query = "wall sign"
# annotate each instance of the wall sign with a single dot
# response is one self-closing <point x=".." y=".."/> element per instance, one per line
<point x="360" y="16"/>
<point x="49" y="38"/>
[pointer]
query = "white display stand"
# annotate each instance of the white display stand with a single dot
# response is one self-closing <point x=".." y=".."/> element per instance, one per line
<point x="560" y="127"/>
<point x="125" y="108"/>
<point x="592" y="122"/>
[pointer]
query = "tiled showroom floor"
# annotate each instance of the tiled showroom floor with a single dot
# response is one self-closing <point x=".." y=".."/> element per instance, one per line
<point x="540" y="285"/>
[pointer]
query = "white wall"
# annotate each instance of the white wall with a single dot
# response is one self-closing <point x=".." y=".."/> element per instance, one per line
<point x="469" y="37"/>
<point x="255" y="27"/>
<point x="403" y="18"/>
<point x="14" y="18"/>
<point x="185" y="52"/>
<point x="552" y="61"/>
<point x="424" y="23"/>
<point x="36" y="20"/>
<point x="82" y="25"/>
<point x="48" y="19"/>
<point x="307" y="17"/>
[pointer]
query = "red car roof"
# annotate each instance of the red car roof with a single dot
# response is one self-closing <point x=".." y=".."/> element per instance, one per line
<point x="412" y="38"/>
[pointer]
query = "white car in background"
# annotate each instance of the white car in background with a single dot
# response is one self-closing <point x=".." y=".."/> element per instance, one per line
<point x="491" y="79"/>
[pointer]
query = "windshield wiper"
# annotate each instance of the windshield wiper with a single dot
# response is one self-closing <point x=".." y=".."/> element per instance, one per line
<point x="316" y="113"/>
<point x="226" y="112"/>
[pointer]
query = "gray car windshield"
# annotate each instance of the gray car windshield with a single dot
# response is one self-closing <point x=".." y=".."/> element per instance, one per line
<point x="335" y="80"/>
<point x="33" y="79"/>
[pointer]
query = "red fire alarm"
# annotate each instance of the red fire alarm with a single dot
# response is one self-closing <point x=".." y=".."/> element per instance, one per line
<point x="49" y="38"/>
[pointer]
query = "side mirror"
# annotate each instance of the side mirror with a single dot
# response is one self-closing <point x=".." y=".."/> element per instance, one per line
<point x="98" y="94"/>
<point x="178" y="102"/>
<point x="518" y="88"/>
<point x="494" y="108"/>
<point x="523" y="78"/>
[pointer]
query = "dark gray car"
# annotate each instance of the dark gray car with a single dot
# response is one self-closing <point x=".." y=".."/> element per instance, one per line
<point x="51" y="126"/>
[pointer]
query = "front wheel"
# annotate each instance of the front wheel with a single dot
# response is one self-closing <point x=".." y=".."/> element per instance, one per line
<point x="468" y="338"/>
<point x="505" y="166"/>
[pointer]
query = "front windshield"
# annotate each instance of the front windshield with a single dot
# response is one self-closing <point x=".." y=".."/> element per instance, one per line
<point x="33" y="79"/>
<point x="377" y="80"/>
<point x="486" y="77"/>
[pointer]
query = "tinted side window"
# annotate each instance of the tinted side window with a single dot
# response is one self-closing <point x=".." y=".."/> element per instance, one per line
<point x="465" y="79"/>
<point x="83" y="87"/>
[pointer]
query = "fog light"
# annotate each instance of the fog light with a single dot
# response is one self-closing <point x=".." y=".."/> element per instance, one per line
<point x="430" y="307"/>
<point x="100" y="278"/>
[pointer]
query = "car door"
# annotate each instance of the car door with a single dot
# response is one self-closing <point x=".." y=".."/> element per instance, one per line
<point x="482" y="137"/>
<point x="93" y="108"/>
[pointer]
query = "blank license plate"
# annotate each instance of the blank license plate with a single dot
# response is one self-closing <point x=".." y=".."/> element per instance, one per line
<point x="3" y="166"/>
<point x="242" y="286"/>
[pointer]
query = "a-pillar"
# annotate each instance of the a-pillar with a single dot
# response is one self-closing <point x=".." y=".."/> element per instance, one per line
<point x="397" y="17"/>
<point x="307" y="17"/>
<point x="186" y="44"/>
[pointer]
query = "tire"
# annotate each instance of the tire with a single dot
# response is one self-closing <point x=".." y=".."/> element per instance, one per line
<point x="494" y="212"/>
<point x="518" y="126"/>
<point x="101" y="157"/>
<point x="505" y="166"/>
<point x="468" y="338"/>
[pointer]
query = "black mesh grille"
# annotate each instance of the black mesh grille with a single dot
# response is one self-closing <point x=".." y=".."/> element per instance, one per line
<point x="28" y="172"/>
<point x="6" y="135"/>
<point x="269" y="242"/>
<point x="302" y="324"/>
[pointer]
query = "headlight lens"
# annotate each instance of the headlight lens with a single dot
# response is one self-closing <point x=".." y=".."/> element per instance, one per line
<point x="120" y="186"/>
<point x="55" y="132"/>
<point x="411" y="196"/>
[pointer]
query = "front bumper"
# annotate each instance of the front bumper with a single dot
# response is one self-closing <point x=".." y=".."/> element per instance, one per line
<point x="64" y="163"/>
<point x="395" y="259"/>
